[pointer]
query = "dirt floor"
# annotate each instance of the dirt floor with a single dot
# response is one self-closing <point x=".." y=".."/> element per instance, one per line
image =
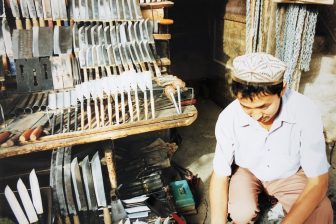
<point x="197" y="150"/>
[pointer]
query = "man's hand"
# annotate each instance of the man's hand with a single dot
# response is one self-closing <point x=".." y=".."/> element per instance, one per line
<point x="309" y="199"/>
<point x="218" y="198"/>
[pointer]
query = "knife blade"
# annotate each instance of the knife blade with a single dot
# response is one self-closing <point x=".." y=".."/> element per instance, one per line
<point x="15" y="206"/>
<point x="78" y="185"/>
<point x="59" y="185"/>
<point x="36" y="194"/>
<point x="99" y="187"/>
<point x="67" y="184"/>
<point x="26" y="201"/>
<point x="8" y="45"/>
<point x="88" y="184"/>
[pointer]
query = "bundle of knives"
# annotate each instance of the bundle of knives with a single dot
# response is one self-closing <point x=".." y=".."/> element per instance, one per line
<point x="33" y="208"/>
<point x="85" y="179"/>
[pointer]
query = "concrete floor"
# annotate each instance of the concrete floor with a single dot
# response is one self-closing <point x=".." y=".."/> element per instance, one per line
<point x="197" y="150"/>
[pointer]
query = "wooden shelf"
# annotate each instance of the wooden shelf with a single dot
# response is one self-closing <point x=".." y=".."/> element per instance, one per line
<point x="319" y="2"/>
<point x="156" y="5"/>
<point x="165" y="119"/>
<point x="166" y="36"/>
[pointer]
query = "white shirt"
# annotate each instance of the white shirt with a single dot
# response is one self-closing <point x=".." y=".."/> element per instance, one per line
<point x="295" y="140"/>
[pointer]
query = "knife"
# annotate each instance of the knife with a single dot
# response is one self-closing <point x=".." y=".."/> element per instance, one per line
<point x="67" y="184"/>
<point x="15" y="206"/>
<point x="26" y="201"/>
<point x="36" y="195"/>
<point x="78" y="186"/>
<point x="59" y="185"/>
<point x="16" y="13"/>
<point x="88" y="185"/>
<point x="99" y="187"/>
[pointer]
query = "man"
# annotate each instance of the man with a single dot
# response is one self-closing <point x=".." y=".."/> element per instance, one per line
<point x="275" y="137"/>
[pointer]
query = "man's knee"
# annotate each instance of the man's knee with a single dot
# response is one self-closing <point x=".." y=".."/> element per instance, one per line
<point x="243" y="213"/>
<point x="322" y="214"/>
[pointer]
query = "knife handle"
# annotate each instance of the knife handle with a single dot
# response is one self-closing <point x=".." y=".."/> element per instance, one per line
<point x="4" y="136"/>
<point x="35" y="22"/>
<point x="11" y="141"/>
<point x="28" y="24"/>
<point x="111" y="168"/>
<point x="76" y="219"/>
<point x="107" y="216"/>
<point x="37" y="132"/>
<point x="67" y="220"/>
<point x="50" y="23"/>
<point x="18" y="23"/>
<point x="26" y="134"/>
<point x="58" y="22"/>
<point x="41" y="22"/>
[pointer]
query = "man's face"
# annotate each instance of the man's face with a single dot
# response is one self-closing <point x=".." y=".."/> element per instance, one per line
<point x="262" y="108"/>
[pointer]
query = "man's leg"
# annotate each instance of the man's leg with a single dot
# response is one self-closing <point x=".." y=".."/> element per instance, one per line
<point x="243" y="196"/>
<point x="288" y="190"/>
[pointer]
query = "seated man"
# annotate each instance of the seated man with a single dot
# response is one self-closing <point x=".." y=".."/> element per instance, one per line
<point x="275" y="137"/>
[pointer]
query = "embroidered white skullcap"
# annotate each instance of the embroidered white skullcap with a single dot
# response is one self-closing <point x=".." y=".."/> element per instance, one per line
<point x="258" y="68"/>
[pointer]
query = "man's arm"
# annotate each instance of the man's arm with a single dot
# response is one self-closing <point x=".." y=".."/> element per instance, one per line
<point x="218" y="191"/>
<point x="309" y="199"/>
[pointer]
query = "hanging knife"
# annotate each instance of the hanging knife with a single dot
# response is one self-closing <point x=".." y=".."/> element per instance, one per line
<point x="15" y="206"/>
<point x="99" y="187"/>
<point x="46" y="5"/>
<point x="67" y="184"/>
<point x="59" y="185"/>
<point x="88" y="185"/>
<point x="36" y="195"/>
<point x="78" y="187"/>
<point x="26" y="201"/>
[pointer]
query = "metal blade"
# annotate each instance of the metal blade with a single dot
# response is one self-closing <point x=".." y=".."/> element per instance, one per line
<point x="39" y="8"/>
<point x="88" y="183"/>
<point x="63" y="10"/>
<point x="2" y="43"/>
<point x="31" y="8"/>
<point x="36" y="193"/>
<point x="75" y="7"/>
<point x="7" y="38"/>
<point x="98" y="180"/>
<point x="46" y="9"/>
<point x="59" y="182"/>
<point x="78" y="185"/>
<point x="82" y="9"/>
<point x="67" y="180"/>
<point x="15" y="206"/>
<point x="26" y="201"/>
<point x="24" y="9"/>
<point x="15" y="8"/>
<point x="55" y="9"/>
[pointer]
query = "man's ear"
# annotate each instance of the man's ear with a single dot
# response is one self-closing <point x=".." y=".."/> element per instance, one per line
<point x="284" y="87"/>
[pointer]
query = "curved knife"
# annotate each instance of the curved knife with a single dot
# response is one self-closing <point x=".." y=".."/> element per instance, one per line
<point x="15" y="206"/>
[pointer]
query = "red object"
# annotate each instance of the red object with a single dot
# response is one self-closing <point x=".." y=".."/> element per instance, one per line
<point x="178" y="219"/>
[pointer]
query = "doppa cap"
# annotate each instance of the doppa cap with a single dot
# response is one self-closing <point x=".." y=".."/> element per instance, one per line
<point x="258" y="68"/>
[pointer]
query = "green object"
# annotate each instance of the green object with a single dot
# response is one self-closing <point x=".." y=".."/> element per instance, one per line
<point x="182" y="195"/>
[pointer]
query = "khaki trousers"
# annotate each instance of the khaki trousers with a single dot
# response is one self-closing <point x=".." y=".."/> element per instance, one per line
<point x="244" y="189"/>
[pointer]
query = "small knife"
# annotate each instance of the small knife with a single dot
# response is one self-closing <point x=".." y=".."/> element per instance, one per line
<point x="15" y="206"/>
<point x="26" y="201"/>
<point x="36" y="195"/>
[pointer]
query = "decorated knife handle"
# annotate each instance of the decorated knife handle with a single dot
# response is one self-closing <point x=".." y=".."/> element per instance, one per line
<point x="26" y="135"/>
<point x="4" y="136"/>
<point x="11" y="141"/>
<point x="67" y="220"/>
<point x="107" y="216"/>
<point x="37" y="132"/>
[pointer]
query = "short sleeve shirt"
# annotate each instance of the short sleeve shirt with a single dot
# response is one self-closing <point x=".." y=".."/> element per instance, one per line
<point x="295" y="140"/>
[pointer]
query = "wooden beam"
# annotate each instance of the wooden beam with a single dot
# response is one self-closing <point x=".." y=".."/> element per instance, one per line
<point x="156" y="5"/>
<point x="319" y="2"/>
<point x="165" y="119"/>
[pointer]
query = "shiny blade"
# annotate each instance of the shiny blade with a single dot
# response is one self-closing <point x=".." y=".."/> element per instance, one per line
<point x="78" y="185"/>
<point x="39" y="9"/>
<point x="31" y="8"/>
<point x="98" y="180"/>
<point x="26" y="201"/>
<point x="75" y="7"/>
<point x="63" y="10"/>
<point x="88" y="184"/>
<point x="46" y="9"/>
<point x="2" y="43"/>
<point x="15" y="206"/>
<point x="36" y="193"/>
<point x="67" y="181"/>
<point x="15" y="8"/>
<point x="24" y="9"/>
<point x="55" y="9"/>
<point x="7" y="37"/>
<point x="59" y="182"/>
